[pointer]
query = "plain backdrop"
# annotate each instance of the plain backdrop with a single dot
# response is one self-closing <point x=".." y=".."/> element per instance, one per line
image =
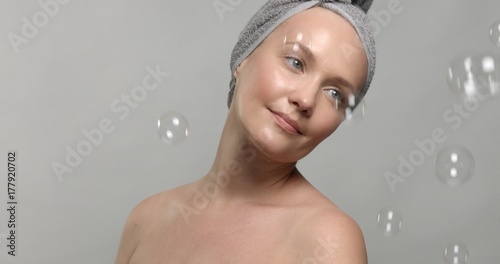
<point x="66" y="66"/>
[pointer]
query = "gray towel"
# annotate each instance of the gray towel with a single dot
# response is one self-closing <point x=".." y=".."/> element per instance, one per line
<point x="275" y="12"/>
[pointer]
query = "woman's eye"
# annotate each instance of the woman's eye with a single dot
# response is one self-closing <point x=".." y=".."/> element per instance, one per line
<point x="296" y="63"/>
<point x="336" y="95"/>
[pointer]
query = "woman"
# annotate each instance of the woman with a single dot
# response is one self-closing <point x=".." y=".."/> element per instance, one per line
<point x="297" y="69"/>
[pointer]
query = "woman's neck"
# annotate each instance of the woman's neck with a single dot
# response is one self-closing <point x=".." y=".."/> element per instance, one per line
<point x="244" y="171"/>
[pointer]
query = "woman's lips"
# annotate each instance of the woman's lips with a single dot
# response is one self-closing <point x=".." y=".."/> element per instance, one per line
<point x="286" y="123"/>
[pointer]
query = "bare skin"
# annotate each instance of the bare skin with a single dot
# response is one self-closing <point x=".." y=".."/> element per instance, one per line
<point x="254" y="206"/>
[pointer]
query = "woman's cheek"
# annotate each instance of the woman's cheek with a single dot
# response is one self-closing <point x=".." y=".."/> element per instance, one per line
<point x="273" y="83"/>
<point x="325" y="128"/>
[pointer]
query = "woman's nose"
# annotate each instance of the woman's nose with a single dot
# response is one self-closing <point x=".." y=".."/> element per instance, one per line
<point x="304" y="97"/>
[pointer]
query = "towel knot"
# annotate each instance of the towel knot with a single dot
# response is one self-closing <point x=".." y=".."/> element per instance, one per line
<point x="363" y="4"/>
<point x="339" y="1"/>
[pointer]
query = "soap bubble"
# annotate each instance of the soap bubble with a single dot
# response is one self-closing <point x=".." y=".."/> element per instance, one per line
<point x="454" y="165"/>
<point x="173" y="127"/>
<point x="495" y="33"/>
<point x="389" y="221"/>
<point x="356" y="116"/>
<point x="456" y="253"/>
<point x="475" y="76"/>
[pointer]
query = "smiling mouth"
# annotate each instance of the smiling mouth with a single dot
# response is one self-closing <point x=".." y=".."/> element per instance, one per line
<point x="286" y="124"/>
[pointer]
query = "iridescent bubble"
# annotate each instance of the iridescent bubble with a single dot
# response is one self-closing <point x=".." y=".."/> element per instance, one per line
<point x="475" y="76"/>
<point x="456" y="253"/>
<point x="454" y="165"/>
<point x="495" y="33"/>
<point x="356" y="116"/>
<point x="389" y="221"/>
<point x="173" y="127"/>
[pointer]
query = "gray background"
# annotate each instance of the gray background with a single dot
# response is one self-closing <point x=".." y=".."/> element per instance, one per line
<point x="65" y="78"/>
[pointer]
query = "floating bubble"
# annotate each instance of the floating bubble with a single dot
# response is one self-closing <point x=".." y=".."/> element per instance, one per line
<point x="173" y="127"/>
<point x="495" y="33"/>
<point x="456" y="253"/>
<point x="389" y="221"/>
<point x="356" y="116"/>
<point x="475" y="76"/>
<point x="454" y="165"/>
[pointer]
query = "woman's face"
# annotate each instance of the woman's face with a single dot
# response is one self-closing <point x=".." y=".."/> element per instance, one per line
<point x="293" y="91"/>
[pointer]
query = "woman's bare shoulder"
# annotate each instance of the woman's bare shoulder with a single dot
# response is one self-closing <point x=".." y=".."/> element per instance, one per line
<point x="148" y="207"/>
<point x="143" y="218"/>
<point x="329" y="235"/>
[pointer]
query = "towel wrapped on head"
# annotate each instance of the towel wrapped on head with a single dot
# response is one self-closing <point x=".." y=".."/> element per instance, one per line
<point x="275" y="12"/>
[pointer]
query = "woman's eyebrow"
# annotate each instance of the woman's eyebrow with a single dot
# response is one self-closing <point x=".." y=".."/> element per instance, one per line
<point x="301" y="46"/>
<point x="343" y="82"/>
